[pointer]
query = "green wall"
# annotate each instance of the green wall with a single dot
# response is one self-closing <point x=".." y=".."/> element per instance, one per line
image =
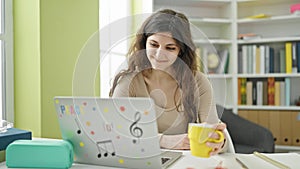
<point x="49" y="36"/>
<point x="27" y="65"/>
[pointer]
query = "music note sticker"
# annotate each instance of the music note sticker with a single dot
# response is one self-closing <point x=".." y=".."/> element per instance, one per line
<point x="106" y="146"/>
<point x="136" y="131"/>
<point x="77" y="123"/>
<point x="108" y="127"/>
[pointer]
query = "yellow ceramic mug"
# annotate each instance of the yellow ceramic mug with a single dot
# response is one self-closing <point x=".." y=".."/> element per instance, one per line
<point x="199" y="135"/>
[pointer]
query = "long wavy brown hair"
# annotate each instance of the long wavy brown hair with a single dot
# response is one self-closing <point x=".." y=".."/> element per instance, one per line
<point x="185" y="66"/>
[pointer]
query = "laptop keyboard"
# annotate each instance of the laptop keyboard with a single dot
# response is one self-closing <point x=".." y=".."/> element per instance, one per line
<point x="164" y="160"/>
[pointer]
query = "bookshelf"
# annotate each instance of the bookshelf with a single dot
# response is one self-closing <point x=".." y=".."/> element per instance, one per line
<point x="278" y="28"/>
<point x="222" y="21"/>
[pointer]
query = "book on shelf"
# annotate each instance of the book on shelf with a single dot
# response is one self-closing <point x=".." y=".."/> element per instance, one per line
<point x="271" y="60"/>
<point x="244" y="59"/>
<point x="277" y="93"/>
<point x="287" y="81"/>
<point x="254" y="93"/>
<point x="253" y="57"/>
<point x="288" y="57"/>
<point x="242" y="91"/>
<point x="282" y="93"/>
<point x="294" y="58"/>
<point x="257" y="59"/>
<point x="266" y="58"/>
<point x="249" y="88"/>
<point x="276" y="61"/>
<point x="298" y="55"/>
<point x="249" y="59"/>
<point x="282" y="61"/>
<point x="240" y="61"/>
<point x="239" y="81"/>
<point x="259" y="93"/>
<point x="271" y="91"/>
<point x="268" y="91"/>
<point x="262" y="58"/>
<point x="265" y="93"/>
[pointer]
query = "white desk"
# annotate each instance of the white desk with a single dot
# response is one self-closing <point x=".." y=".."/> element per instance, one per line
<point x="189" y="162"/>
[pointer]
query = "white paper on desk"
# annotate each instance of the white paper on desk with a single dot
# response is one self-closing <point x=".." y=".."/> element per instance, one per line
<point x="189" y="161"/>
<point x="290" y="159"/>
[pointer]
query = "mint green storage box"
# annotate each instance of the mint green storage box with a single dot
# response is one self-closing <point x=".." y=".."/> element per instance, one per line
<point x="39" y="154"/>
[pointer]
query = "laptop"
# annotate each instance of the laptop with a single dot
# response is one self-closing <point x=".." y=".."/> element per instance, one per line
<point x="118" y="132"/>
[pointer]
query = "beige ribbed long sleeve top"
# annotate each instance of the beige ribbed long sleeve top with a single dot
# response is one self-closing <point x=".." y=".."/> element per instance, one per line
<point x="171" y="121"/>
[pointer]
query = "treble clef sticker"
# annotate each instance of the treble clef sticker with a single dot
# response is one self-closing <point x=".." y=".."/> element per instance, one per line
<point x="136" y="131"/>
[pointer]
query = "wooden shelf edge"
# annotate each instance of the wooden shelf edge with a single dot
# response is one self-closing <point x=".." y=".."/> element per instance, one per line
<point x="270" y="19"/>
<point x="210" y="20"/>
<point x="254" y="107"/>
<point x="269" y="40"/>
<point x="284" y="75"/>
<point x="287" y="147"/>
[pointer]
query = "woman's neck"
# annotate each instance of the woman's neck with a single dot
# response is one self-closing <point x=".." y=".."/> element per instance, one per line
<point x="163" y="88"/>
<point x="160" y="76"/>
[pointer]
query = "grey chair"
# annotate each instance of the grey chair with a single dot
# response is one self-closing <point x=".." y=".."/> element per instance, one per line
<point x="246" y="136"/>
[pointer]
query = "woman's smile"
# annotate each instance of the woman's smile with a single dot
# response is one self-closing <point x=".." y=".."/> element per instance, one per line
<point x="162" y="50"/>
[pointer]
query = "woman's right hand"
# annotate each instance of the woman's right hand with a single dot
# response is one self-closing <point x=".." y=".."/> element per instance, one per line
<point x="176" y="142"/>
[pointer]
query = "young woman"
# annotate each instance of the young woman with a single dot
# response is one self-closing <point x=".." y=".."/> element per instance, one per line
<point x="162" y="65"/>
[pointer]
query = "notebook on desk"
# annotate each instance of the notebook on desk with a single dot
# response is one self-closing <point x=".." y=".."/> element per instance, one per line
<point x="286" y="160"/>
<point x="119" y="132"/>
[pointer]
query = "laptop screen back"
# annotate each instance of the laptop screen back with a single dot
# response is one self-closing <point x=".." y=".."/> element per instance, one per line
<point x="119" y="132"/>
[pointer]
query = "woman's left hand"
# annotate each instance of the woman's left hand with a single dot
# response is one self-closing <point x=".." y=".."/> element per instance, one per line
<point x="217" y="147"/>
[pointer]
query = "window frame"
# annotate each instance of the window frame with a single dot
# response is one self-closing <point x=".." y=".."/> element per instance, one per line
<point x="7" y="71"/>
<point x="114" y="59"/>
